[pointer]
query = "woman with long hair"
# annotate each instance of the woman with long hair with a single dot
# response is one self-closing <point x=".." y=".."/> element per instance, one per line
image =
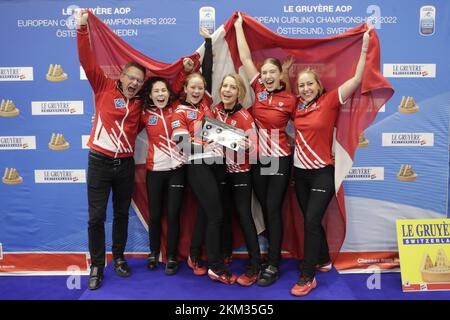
<point x="205" y="169"/>
<point x="239" y="179"/>
<point x="314" y="123"/>
<point x="272" y="110"/>
<point x="165" y="171"/>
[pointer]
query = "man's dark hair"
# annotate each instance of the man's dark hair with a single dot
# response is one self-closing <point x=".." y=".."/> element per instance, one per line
<point x="136" y="65"/>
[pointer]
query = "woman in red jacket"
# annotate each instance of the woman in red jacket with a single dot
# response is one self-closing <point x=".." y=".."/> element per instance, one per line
<point x="272" y="110"/>
<point x="239" y="180"/>
<point x="205" y="169"/>
<point x="315" y="118"/>
<point x="165" y="171"/>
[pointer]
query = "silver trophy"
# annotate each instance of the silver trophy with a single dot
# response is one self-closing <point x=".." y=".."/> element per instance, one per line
<point x="222" y="133"/>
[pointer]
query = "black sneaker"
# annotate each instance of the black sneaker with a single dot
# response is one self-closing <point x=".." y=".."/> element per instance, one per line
<point x="171" y="266"/>
<point x="152" y="261"/>
<point x="268" y="276"/>
<point x="264" y="263"/>
<point x="227" y="259"/>
<point x="95" y="278"/>
<point x="121" y="267"/>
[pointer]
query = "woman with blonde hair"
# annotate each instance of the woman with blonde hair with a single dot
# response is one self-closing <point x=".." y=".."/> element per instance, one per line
<point x="205" y="169"/>
<point x="239" y="180"/>
<point x="314" y="123"/>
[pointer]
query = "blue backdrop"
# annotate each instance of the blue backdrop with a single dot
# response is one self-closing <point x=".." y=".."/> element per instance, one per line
<point x="39" y="216"/>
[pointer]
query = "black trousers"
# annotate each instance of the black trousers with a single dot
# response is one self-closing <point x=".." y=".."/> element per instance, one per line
<point x="239" y="189"/>
<point x="207" y="183"/>
<point x="165" y="185"/>
<point x="270" y="182"/>
<point x="106" y="174"/>
<point x="314" y="189"/>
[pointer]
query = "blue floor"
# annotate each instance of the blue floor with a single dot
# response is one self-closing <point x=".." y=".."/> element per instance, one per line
<point x="155" y="285"/>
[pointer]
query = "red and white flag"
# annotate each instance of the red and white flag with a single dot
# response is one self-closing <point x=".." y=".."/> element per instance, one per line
<point x="335" y="58"/>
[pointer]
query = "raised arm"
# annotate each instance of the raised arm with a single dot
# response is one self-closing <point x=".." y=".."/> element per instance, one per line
<point x="287" y="64"/>
<point x="207" y="63"/>
<point x="244" y="50"/>
<point x="350" y="85"/>
<point x="178" y="82"/>
<point x="86" y="56"/>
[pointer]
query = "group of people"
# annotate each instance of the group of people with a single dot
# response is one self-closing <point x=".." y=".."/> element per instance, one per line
<point x="221" y="180"/>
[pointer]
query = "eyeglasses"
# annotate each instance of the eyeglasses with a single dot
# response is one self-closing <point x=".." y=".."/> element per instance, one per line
<point x="133" y="78"/>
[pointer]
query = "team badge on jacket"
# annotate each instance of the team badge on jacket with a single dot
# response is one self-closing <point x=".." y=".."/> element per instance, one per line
<point x="262" y="96"/>
<point x="301" y="106"/>
<point x="176" y="124"/>
<point x="119" y="103"/>
<point x="192" y="115"/>
<point x="153" y="120"/>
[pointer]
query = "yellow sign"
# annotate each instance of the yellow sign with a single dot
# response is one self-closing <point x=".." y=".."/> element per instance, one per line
<point x="424" y="250"/>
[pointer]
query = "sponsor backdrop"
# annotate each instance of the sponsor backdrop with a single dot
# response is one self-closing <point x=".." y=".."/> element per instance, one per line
<point x="400" y="169"/>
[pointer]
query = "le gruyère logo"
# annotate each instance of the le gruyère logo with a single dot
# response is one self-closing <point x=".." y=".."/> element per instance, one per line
<point x="8" y="109"/>
<point x="56" y="73"/>
<point x="57" y="142"/>
<point x="408" y="105"/>
<point x="362" y="141"/>
<point x="11" y="176"/>
<point x="406" y="173"/>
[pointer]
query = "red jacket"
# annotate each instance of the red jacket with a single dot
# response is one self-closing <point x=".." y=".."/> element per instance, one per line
<point x="162" y="154"/>
<point x="272" y="112"/>
<point x="188" y="120"/>
<point x="116" y="118"/>
<point x="314" y="127"/>
<point x="242" y="119"/>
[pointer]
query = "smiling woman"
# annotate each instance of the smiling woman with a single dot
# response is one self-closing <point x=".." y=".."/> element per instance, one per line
<point x="165" y="171"/>
<point x="238" y="174"/>
<point x="309" y="86"/>
<point x="272" y="110"/>
<point x="314" y="123"/>
<point x="205" y="168"/>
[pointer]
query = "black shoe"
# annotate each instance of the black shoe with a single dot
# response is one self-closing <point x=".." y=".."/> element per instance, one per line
<point x="152" y="261"/>
<point x="95" y="278"/>
<point x="264" y="263"/>
<point x="268" y="276"/>
<point x="171" y="266"/>
<point x="227" y="259"/>
<point x="121" y="267"/>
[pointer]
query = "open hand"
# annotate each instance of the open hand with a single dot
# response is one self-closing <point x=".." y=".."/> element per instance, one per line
<point x="366" y="38"/>
<point x="204" y="33"/>
<point x="244" y="143"/>
<point x="287" y="64"/>
<point x="239" y="20"/>
<point x="82" y="17"/>
<point x="188" y="65"/>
